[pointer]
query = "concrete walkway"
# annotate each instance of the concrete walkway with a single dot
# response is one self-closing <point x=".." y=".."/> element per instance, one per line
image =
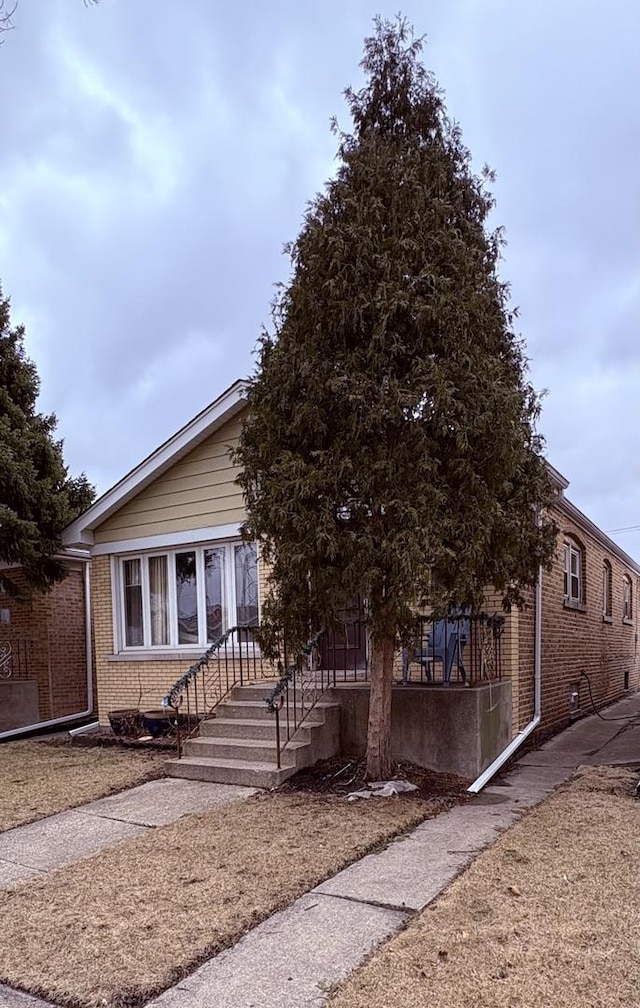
<point x="294" y="958"/>
<point x="297" y="956"/>
<point x="40" y="847"/>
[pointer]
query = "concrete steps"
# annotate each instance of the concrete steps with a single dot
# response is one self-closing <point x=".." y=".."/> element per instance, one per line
<point x="260" y="750"/>
<point x="225" y="771"/>
<point x="238" y="745"/>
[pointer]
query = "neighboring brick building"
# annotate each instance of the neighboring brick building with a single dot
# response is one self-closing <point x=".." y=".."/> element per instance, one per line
<point x="43" y="651"/>
<point x="170" y="572"/>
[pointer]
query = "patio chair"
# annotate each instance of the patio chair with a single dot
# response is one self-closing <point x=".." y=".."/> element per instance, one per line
<point x="444" y="643"/>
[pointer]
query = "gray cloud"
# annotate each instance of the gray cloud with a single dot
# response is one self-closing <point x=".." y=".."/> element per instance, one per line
<point x="156" y="157"/>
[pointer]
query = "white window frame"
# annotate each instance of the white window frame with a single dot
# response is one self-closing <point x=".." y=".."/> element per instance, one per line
<point x="228" y="594"/>
<point x="607" y="590"/>
<point x="627" y="599"/>
<point x="572" y="550"/>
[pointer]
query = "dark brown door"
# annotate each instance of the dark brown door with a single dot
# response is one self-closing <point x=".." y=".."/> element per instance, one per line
<point x="344" y="650"/>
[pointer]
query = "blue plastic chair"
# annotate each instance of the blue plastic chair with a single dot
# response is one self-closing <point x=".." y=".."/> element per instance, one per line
<point x="446" y="643"/>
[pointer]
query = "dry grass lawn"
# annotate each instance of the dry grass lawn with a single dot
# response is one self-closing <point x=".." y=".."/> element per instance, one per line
<point x="37" y="779"/>
<point x="127" y="923"/>
<point x="548" y="916"/>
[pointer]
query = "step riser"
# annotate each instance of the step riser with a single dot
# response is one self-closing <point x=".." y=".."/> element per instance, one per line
<point x="252" y="692"/>
<point x="222" y="750"/>
<point x="261" y="692"/>
<point x="236" y="729"/>
<point x="242" y="710"/>
<point x="321" y="737"/>
<point x="229" y="774"/>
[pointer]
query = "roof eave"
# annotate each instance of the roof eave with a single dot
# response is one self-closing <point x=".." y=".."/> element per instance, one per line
<point x="79" y="533"/>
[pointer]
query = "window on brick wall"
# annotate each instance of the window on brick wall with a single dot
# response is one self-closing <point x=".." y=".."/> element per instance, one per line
<point x="627" y="598"/>
<point x="186" y="597"/>
<point x="607" y="586"/>
<point x="573" y="574"/>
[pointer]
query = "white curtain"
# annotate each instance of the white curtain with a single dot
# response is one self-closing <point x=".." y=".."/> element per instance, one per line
<point x="158" y="592"/>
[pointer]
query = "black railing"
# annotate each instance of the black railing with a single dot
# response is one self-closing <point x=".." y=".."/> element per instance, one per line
<point x="234" y="659"/>
<point x="301" y="685"/>
<point x="464" y="649"/>
<point x="16" y="655"/>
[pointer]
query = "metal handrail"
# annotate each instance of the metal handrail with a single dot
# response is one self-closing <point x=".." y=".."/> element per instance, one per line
<point x="205" y="685"/>
<point x="297" y="695"/>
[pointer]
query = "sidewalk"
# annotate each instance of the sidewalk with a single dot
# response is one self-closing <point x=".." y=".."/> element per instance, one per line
<point x="33" y="850"/>
<point x="297" y="956"/>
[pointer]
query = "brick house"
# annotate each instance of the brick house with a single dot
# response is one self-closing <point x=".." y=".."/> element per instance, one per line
<point x="169" y="573"/>
<point x="589" y="621"/>
<point x="45" y="651"/>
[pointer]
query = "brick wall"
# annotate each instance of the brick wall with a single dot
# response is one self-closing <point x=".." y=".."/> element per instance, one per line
<point x="47" y="635"/>
<point x="579" y="639"/>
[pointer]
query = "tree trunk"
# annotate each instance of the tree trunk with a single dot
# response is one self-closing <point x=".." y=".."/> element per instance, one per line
<point x="379" y="765"/>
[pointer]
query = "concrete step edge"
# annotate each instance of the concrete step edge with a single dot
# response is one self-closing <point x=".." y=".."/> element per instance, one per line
<point x="231" y="764"/>
<point x="234" y="741"/>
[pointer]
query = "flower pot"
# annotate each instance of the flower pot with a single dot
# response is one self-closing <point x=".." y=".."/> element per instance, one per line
<point x="125" y="722"/>
<point x="188" y="722"/>
<point x="158" y="722"/>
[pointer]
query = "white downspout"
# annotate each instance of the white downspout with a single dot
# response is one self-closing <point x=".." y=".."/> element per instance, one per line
<point x="89" y="658"/>
<point x="515" y="743"/>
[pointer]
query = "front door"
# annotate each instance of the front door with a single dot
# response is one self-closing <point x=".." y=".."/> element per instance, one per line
<point x="345" y="650"/>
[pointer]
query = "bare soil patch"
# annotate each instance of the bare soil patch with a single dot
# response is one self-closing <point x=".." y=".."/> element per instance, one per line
<point x="121" y="926"/>
<point x="546" y="916"/>
<point x="38" y="778"/>
<point x="342" y="774"/>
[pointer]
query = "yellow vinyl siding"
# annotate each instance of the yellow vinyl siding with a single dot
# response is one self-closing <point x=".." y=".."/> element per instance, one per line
<point x="196" y="492"/>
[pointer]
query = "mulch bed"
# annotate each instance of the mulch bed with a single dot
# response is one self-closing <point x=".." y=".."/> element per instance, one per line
<point x="342" y="774"/>
<point x="103" y="736"/>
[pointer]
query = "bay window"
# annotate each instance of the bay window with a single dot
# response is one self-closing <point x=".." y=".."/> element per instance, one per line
<point x="187" y="597"/>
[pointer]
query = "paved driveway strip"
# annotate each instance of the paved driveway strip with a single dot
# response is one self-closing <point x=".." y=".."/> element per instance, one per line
<point x="28" y="852"/>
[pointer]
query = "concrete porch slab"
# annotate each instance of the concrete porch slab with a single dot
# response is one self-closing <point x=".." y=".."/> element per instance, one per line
<point x="290" y="960"/>
<point x="161" y="802"/>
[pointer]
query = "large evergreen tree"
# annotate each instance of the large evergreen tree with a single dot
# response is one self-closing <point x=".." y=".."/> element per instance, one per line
<point x="391" y="430"/>
<point x="37" y="495"/>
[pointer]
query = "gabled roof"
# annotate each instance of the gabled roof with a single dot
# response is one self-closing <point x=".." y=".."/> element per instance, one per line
<point x="559" y="481"/>
<point x="592" y="529"/>
<point x="80" y="532"/>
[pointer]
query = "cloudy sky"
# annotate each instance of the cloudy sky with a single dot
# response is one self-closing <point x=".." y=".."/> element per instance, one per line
<point x="156" y="155"/>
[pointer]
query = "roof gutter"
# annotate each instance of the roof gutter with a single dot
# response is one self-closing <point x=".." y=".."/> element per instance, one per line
<point x="13" y="732"/>
<point x="515" y="743"/>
